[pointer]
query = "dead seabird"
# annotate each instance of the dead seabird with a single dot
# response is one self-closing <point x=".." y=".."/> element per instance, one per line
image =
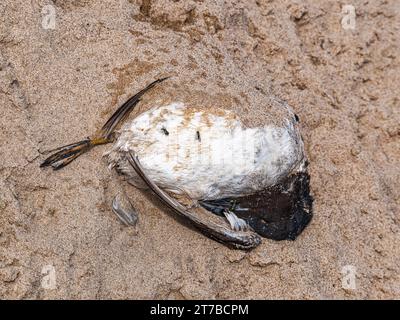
<point x="255" y="177"/>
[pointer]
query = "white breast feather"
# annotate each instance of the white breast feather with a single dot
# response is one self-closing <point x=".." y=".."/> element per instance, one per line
<point x="207" y="155"/>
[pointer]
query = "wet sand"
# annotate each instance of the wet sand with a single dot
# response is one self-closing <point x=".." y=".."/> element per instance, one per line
<point x="58" y="85"/>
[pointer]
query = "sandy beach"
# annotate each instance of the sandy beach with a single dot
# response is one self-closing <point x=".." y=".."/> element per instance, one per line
<point x="65" y="66"/>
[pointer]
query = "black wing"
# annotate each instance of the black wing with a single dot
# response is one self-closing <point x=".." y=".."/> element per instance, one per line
<point x="217" y="231"/>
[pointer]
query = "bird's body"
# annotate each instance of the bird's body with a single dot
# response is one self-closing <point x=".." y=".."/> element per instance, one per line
<point x="255" y="176"/>
<point x="209" y="154"/>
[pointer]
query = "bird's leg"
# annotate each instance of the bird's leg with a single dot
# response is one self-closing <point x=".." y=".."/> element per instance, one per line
<point x="64" y="155"/>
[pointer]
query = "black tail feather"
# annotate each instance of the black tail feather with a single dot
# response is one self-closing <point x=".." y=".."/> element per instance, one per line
<point x="124" y="110"/>
<point x="66" y="154"/>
